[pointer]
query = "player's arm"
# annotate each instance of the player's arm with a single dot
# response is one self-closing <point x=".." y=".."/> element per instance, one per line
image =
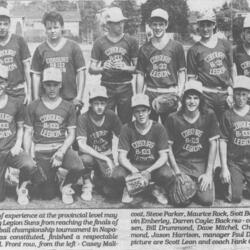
<point x="95" y="67"/>
<point x="182" y="73"/>
<point x="80" y="82"/>
<point x="27" y="143"/>
<point x="36" y="79"/>
<point x="172" y="161"/>
<point x="125" y="162"/>
<point x="140" y="84"/>
<point x="206" y="179"/>
<point x="163" y="157"/>
<point x="17" y="148"/>
<point x="128" y="68"/>
<point x="28" y="94"/>
<point x="225" y="174"/>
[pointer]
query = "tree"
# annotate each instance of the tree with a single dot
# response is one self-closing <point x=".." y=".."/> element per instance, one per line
<point x="177" y="10"/>
<point x="240" y="5"/>
<point x="3" y="3"/>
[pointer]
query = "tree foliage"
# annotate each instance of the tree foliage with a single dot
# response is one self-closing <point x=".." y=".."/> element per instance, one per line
<point x="240" y="5"/>
<point x="3" y="3"/>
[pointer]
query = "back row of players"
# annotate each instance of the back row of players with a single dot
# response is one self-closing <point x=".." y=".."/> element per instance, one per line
<point x="58" y="77"/>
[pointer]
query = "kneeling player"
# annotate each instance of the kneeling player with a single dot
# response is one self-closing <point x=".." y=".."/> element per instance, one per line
<point x="235" y="142"/>
<point x="52" y="122"/>
<point x="95" y="130"/>
<point x="193" y="134"/>
<point x="143" y="148"/>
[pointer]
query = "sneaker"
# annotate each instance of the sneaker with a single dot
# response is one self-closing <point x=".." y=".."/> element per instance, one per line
<point x="159" y="195"/>
<point x="87" y="188"/>
<point x="126" y="198"/>
<point x="67" y="194"/>
<point x="22" y="194"/>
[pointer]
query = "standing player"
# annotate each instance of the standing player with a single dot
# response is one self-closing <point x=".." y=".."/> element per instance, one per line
<point x="11" y="138"/>
<point x="52" y="122"/>
<point x="210" y="60"/>
<point x="114" y="56"/>
<point x="95" y="131"/>
<point x="59" y="52"/>
<point x="143" y="148"/>
<point x="193" y="134"/>
<point x="235" y="142"/>
<point x="161" y="65"/>
<point x="15" y="54"/>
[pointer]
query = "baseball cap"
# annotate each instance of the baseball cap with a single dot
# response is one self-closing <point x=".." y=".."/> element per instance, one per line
<point x="52" y="74"/>
<point x="242" y="82"/>
<point x="246" y="23"/>
<point x="194" y="85"/>
<point x="4" y="12"/>
<point x="114" y="14"/>
<point x="99" y="91"/>
<point x="4" y="71"/>
<point x="161" y="13"/>
<point x="140" y="100"/>
<point x="207" y="16"/>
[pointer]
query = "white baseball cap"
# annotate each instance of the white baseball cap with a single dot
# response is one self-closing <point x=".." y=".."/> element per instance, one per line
<point x="193" y="84"/>
<point x="207" y="16"/>
<point x="242" y="82"/>
<point x="140" y="100"/>
<point x="52" y="74"/>
<point x="114" y="14"/>
<point x="246" y="23"/>
<point x="4" y="12"/>
<point x="4" y="71"/>
<point x="99" y="91"/>
<point x="161" y="13"/>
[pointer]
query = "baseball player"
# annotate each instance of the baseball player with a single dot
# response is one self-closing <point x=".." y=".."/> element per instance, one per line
<point x="114" y="56"/>
<point x="235" y="142"/>
<point x="193" y="133"/>
<point x="11" y="138"/>
<point x="210" y="61"/>
<point x="161" y="65"/>
<point x="15" y="54"/>
<point x="143" y="148"/>
<point x="51" y="121"/>
<point x="59" y="52"/>
<point x="95" y="130"/>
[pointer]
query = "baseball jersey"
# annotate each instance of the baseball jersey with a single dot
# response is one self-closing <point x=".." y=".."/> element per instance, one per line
<point x="190" y="141"/>
<point x="99" y="137"/>
<point x="161" y="66"/>
<point x="50" y="125"/>
<point x="241" y="60"/>
<point x="11" y="114"/>
<point x="236" y="130"/>
<point x="69" y="59"/>
<point x="124" y="50"/>
<point x="211" y="65"/>
<point x="143" y="149"/>
<point x="13" y="54"/>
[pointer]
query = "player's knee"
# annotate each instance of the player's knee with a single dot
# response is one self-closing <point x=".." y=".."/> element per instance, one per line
<point x="119" y="174"/>
<point x="87" y="160"/>
<point x="29" y="165"/>
<point x="206" y="200"/>
<point x="236" y="196"/>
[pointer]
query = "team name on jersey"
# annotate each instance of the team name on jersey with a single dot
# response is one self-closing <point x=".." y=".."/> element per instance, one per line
<point x="191" y="131"/>
<point x="115" y="50"/>
<point x="245" y="65"/>
<point x="160" y="58"/>
<point x="51" y="117"/>
<point x="242" y="129"/>
<point x="215" y="55"/>
<point x="7" y="52"/>
<point x="192" y="139"/>
<point x="98" y="134"/>
<point x="241" y="124"/>
<point x="6" y="117"/>
<point x="143" y="143"/>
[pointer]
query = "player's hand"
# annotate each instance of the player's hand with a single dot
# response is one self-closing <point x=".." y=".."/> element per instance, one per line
<point x="225" y="175"/>
<point x="147" y="175"/>
<point x="107" y="65"/>
<point x="16" y="150"/>
<point x="230" y="101"/>
<point x="205" y="181"/>
<point x="120" y="65"/>
<point x="78" y="103"/>
<point x="110" y="165"/>
<point x="57" y="159"/>
<point x="27" y="99"/>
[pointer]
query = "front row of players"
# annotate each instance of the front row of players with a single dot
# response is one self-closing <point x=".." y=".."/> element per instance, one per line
<point x="188" y="144"/>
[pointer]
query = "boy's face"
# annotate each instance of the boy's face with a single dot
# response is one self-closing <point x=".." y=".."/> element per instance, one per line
<point x="141" y="114"/>
<point x="116" y="27"/>
<point x="3" y="85"/>
<point x="98" y="106"/>
<point x="206" y="29"/>
<point x="246" y="35"/>
<point x="158" y="27"/>
<point x="240" y="97"/>
<point x="53" y="30"/>
<point x="192" y="102"/>
<point x="52" y="89"/>
<point x="4" y="27"/>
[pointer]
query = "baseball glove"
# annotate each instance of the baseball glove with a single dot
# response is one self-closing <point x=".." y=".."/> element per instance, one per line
<point x="136" y="183"/>
<point x="182" y="190"/>
<point x="166" y="103"/>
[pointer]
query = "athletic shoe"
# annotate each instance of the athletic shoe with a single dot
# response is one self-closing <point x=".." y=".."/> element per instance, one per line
<point x="126" y="198"/>
<point x="23" y="194"/>
<point x="159" y="195"/>
<point x="87" y="188"/>
<point x="67" y="194"/>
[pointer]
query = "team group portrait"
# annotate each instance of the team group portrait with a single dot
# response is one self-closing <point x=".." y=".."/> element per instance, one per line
<point x="124" y="104"/>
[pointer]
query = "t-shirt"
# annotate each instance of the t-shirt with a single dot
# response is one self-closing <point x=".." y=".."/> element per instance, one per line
<point x="11" y="114"/>
<point x="211" y="65"/>
<point x="50" y="125"/>
<point x="143" y="149"/>
<point x="69" y="59"/>
<point x="190" y="141"/>
<point x="241" y="60"/>
<point x="13" y="54"/>
<point x="236" y="130"/>
<point x="99" y="137"/>
<point x="124" y="50"/>
<point x="161" y="66"/>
